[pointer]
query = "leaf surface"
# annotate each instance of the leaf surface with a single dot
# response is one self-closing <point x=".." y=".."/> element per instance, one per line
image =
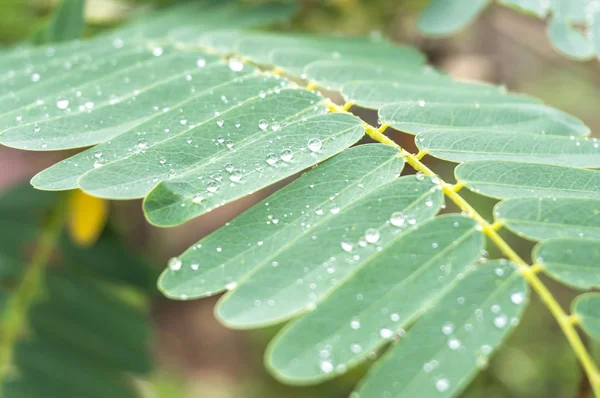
<point x="443" y="351"/>
<point x="256" y="236"/>
<point x="387" y="294"/>
<point x="546" y="218"/>
<point x="575" y="262"/>
<point x="464" y="146"/>
<point x="502" y="180"/>
<point x="310" y="266"/>
<point x="587" y="307"/>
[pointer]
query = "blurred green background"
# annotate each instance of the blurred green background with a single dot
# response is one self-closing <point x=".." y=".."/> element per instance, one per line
<point x="195" y="356"/>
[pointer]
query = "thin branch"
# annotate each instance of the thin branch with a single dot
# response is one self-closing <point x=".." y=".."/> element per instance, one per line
<point x="15" y="315"/>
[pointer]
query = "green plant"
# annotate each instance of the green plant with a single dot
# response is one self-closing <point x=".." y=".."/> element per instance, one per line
<point x="190" y="115"/>
<point x="573" y="28"/>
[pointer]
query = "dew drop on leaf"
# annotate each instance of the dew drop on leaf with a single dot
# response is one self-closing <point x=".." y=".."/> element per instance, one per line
<point x="372" y="235"/>
<point x="397" y="219"/>
<point x="236" y="176"/>
<point x="62" y="103"/>
<point x="175" y="264"/>
<point x="197" y="198"/>
<point x="286" y="155"/>
<point x="263" y="124"/>
<point x="271" y="159"/>
<point x="314" y="144"/>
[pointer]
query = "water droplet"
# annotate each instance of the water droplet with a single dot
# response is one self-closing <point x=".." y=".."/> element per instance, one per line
<point x="200" y="62"/>
<point x="286" y="155"/>
<point x="355" y="324"/>
<point x="220" y="122"/>
<point x="212" y="186"/>
<point x="315" y="144"/>
<point x="197" y="198"/>
<point x="421" y="103"/>
<point x="229" y="144"/>
<point x="442" y="384"/>
<point x="397" y="219"/>
<point x="448" y="328"/>
<point x="356" y="348"/>
<point x="236" y="65"/>
<point x="236" y="176"/>
<point x="335" y="209"/>
<point x="263" y="124"/>
<point x="162" y="160"/>
<point x="275" y="126"/>
<point x="157" y="51"/>
<point x="517" y="297"/>
<point x="35" y="77"/>
<point x="420" y="176"/>
<point x="372" y="235"/>
<point x="326" y="367"/>
<point x="347" y="245"/>
<point x="62" y="103"/>
<point x="500" y="321"/>
<point x="175" y="263"/>
<point x="386" y="333"/>
<point x="454" y="344"/>
<point x="97" y="163"/>
<point x="271" y="159"/>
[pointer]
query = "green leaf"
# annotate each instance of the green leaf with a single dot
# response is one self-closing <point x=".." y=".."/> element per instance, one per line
<point x="82" y="340"/>
<point x="535" y="7"/>
<point x="569" y="41"/>
<point x="587" y="307"/>
<point x="442" y="17"/>
<point x="414" y="117"/>
<point x="387" y="294"/>
<point x="572" y="28"/>
<point x="309" y="266"/>
<point x="502" y="180"/>
<point x="443" y="351"/>
<point x="70" y="318"/>
<point x="463" y="146"/>
<point x="50" y="371"/>
<point x="67" y="22"/>
<point x="546" y="218"/>
<point x="424" y="87"/>
<point x="226" y="255"/>
<point x="310" y="140"/>
<point x="575" y="262"/>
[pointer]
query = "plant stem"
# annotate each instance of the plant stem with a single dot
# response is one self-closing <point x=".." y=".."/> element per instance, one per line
<point x="562" y="318"/>
<point x="15" y="314"/>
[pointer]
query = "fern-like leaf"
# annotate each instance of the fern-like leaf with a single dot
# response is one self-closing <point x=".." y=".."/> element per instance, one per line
<point x="193" y="116"/>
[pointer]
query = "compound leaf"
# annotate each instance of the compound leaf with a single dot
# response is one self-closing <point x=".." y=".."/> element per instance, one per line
<point x="575" y="262"/>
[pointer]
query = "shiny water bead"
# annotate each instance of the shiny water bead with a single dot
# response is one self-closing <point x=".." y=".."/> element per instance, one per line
<point x="314" y="145"/>
<point x="236" y="65"/>
<point x="397" y="219"/>
<point x="197" y="198"/>
<point x="372" y="235"/>
<point x="62" y="103"/>
<point x="263" y="124"/>
<point x="286" y="155"/>
<point x="271" y="159"/>
<point x="236" y="176"/>
<point x="347" y="245"/>
<point x="212" y="187"/>
<point x="175" y="264"/>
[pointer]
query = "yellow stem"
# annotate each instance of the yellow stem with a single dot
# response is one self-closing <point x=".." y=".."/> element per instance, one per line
<point x="15" y="315"/>
<point x="565" y="321"/>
